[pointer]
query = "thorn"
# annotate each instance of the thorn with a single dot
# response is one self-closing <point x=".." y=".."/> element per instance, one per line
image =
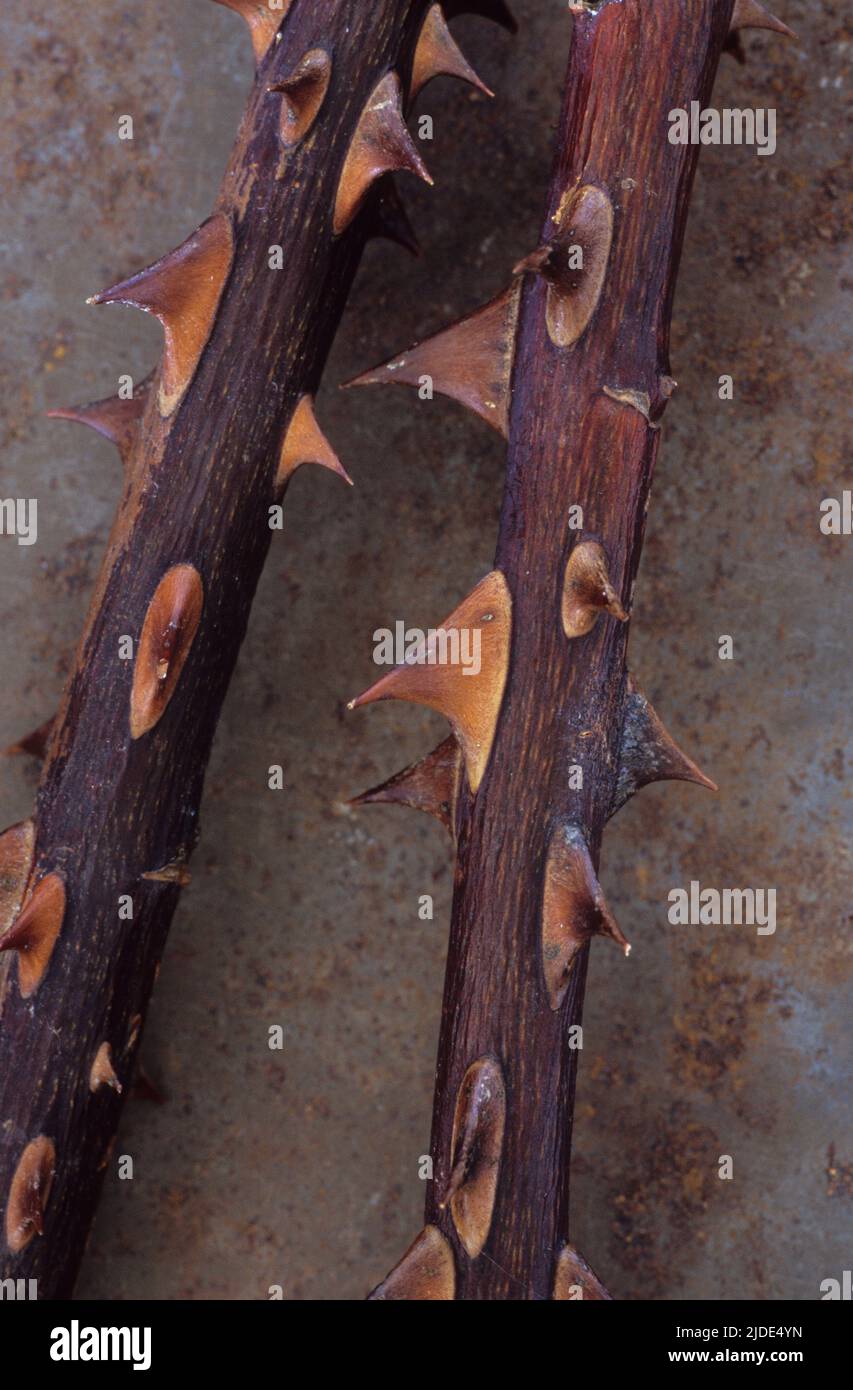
<point x="436" y="678"/>
<point x="573" y="910"/>
<point x="587" y="590"/>
<point x="183" y="291"/>
<point x="34" y="743"/>
<point x="431" y="785"/>
<point x="496" y="10"/>
<point x="168" y="632"/>
<point x="648" y="753"/>
<point x="426" y="1272"/>
<point x="638" y="400"/>
<point x="33" y="933"/>
<point x="264" y="21"/>
<point x="103" y="1071"/>
<point x="29" y="1193"/>
<point x="303" y="93"/>
<point x="115" y="418"/>
<point x="175" y="872"/>
<point x="389" y="218"/>
<point x="380" y="145"/>
<point x="748" y="14"/>
<point x="575" y="1280"/>
<point x="438" y="55"/>
<point x="16" y="860"/>
<point x="304" y="442"/>
<point x="539" y="262"/>
<point x="573" y="261"/>
<point x="476" y="1148"/>
<point x="471" y="361"/>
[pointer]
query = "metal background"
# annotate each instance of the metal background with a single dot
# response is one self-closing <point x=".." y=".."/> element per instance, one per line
<point x="300" y="1167"/>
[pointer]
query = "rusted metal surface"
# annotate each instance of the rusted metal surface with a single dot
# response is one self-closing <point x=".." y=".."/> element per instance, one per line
<point x="300" y="1167"/>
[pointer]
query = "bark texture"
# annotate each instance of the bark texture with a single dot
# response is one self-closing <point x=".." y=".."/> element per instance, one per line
<point x="117" y="811"/>
<point x="587" y="384"/>
<point x="569" y="444"/>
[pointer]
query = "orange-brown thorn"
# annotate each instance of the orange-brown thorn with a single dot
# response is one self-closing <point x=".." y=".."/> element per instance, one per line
<point x="381" y="144"/>
<point x="471" y="361"/>
<point x="183" y="291"/>
<point x="168" y="632"/>
<point x="636" y="399"/>
<point x="587" y="590"/>
<point x="748" y="14"/>
<point x="263" y="18"/>
<point x="471" y="702"/>
<point x="115" y="418"/>
<point x="439" y="55"/>
<point x="583" y="233"/>
<point x="29" y="1193"/>
<point x="425" y="1274"/>
<point x="476" y="1148"/>
<point x="16" y="861"/>
<point x="431" y="785"/>
<point x="303" y="93"/>
<point x="103" y="1072"/>
<point x="575" y="1281"/>
<point x="33" y="933"/>
<point x="34" y="743"/>
<point x="304" y="442"/>
<point x="176" y="872"/>
<point x="573" y="910"/>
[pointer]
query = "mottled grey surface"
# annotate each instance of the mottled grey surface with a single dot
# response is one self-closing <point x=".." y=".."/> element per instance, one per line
<point x="299" y="1167"/>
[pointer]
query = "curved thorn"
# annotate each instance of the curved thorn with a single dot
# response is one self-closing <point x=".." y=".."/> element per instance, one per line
<point x="431" y="785"/>
<point x="574" y="910"/>
<point x="34" y="743"/>
<point x="587" y="590"/>
<point x="303" y="94"/>
<point x="263" y="18"/>
<point x="34" y="932"/>
<point x="304" y="442"/>
<point x="426" y="1273"/>
<point x="575" y="1280"/>
<point x="749" y="14"/>
<point x="648" y="752"/>
<point x="438" y="55"/>
<point x="182" y="290"/>
<point x="114" y="418"/>
<point x="471" y="361"/>
<point x="435" y="675"/>
<point x="381" y="145"/>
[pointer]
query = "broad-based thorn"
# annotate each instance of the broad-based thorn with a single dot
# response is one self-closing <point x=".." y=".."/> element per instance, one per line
<point x="438" y="55"/>
<point x="381" y="145"/>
